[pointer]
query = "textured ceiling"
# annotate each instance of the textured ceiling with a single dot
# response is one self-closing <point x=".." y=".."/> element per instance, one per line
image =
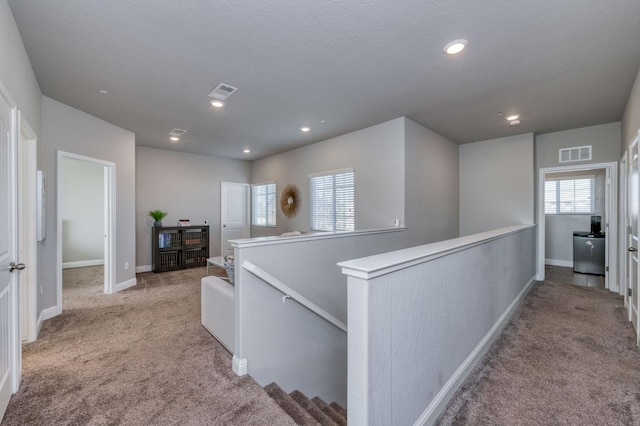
<point x="560" y="64"/>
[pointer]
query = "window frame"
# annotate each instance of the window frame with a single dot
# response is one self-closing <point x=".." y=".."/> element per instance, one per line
<point x="558" y="197"/>
<point x="254" y="204"/>
<point x="349" y="219"/>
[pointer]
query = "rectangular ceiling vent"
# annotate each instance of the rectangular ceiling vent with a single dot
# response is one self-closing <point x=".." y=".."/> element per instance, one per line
<point x="177" y="132"/>
<point x="222" y="91"/>
<point x="578" y="153"/>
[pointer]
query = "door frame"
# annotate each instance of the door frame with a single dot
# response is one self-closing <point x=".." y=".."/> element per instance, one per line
<point x="625" y="244"/>
<point x="611" y="255"/>
<point x="28" y="279"/>
<point x="109" y="221"/>
<point x="624" y="225"/>
<point x="15" y="346"/>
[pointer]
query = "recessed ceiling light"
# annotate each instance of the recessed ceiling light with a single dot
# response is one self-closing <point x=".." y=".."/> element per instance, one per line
<point x="246" y="150"/>
<point x="103" y="91"/>
<point x="323" y="121"/>
<point x="512" y="117"/>
<point x="174" y="138"/>
<point x="500" y="114"/>
<point x="305" y="129"/>
<point x="514" y="123"/>
<point x="217" y="103"/>
<point x="455" y="47"/>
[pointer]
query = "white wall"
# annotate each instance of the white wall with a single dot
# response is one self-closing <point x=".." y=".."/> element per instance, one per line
<point x="377" y="156"/>
<point x="605" y="139"/>
<point x="431" y="185"/>
<point x="421" y="318"/>
<point x="496" y="183"/>
<point x="16" y="74"/>
<point x="82" y="211"/>
<point x="631" y="116"/>
<point x="286" y="343"/>
<point x="559" y="228"/>
<point x="187" y="186"/>
<point x="67" y="129"/>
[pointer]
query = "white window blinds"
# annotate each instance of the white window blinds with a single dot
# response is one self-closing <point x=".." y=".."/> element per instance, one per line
<point x="569" y="196"/>
<point x="264" y="204"/>
<point x="332" y="202"/>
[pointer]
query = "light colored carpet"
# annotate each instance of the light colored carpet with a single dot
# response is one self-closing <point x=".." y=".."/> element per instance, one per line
<point x="137" y="357"/>
<point x="569" y="357"/>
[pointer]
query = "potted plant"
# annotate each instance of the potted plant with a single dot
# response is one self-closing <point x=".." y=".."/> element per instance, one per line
<point x="157" y="216"/>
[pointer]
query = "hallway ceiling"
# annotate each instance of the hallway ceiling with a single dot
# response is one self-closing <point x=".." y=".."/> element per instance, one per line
<point x="560" y="65"/>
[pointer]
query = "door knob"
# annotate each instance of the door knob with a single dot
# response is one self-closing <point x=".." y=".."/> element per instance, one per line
<point x="19" y="266"/>
<point x="632" y="249"/>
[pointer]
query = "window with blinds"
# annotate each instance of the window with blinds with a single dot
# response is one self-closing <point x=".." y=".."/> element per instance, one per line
<point x="332" y="201"/>
<point x="569" y="196"/>
<point x="263" y="197"/>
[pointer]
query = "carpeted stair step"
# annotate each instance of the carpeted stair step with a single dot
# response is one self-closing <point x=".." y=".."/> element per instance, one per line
<point x="290" y="406"/>
<point x="339" y="409"/>
<point x="312" y="408"/>
<point x="338" y="418"/>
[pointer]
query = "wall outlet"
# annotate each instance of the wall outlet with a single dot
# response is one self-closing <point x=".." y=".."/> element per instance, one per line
<point x="126" y="265"/>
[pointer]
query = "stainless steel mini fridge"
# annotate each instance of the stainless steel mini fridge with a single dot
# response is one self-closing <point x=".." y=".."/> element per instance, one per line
<point x="588" y="253"/>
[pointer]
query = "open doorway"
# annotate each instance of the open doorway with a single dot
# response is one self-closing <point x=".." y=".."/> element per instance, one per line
<point x="605" y="176"/>
<point x="85" y="221"/>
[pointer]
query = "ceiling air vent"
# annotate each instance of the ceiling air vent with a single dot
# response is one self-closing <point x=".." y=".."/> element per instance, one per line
<point x="578" y="153"/>
<point x="222" y="91"/>
<point x="177" y="132"/>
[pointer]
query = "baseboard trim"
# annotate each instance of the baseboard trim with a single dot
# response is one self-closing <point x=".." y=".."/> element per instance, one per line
<point x="82" y="263"/>
<point x="46" y="314"/>
<point x="239" y="366"/>
<point x="439" y="403"/>
<point x="556" y="262"/>
<point x="125" y="285"/>
<point x="143" y="268"/>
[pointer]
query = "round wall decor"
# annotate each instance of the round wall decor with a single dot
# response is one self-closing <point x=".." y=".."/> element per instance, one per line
<point x="290" y="200"/>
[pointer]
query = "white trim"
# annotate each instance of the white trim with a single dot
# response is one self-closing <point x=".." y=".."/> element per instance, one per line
<point x="240" y="366"/>
<point x="385" y="263"/>
<point x="439" y="403"/>
<point x="622" y="228"/>
<point x="109" y="221"/>
<point x="82" y="263"/>
<point x="556" y="262"/>
<point x="331" y="172"/>
<point x="125" y="285"/>
<point x="143" y="268"/>
<point x="46" y="314"/>
<point x="279" y="239"/>
<point x="28" y="153"/>
<point x="611" y="208"/>
<point x="263" y="183"/>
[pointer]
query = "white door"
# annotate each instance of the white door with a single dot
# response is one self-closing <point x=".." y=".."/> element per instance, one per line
<point x="633" y="267"/>
<point x="9" y="332"/>
<point x="234" y="214"/>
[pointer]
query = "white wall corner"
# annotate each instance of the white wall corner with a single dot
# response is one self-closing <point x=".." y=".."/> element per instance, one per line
<point x="239" y="366"/>
<point x="125" y="285"/>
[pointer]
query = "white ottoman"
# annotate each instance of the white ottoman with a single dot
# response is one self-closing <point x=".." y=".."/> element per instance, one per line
<point x="217" y="309"/>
